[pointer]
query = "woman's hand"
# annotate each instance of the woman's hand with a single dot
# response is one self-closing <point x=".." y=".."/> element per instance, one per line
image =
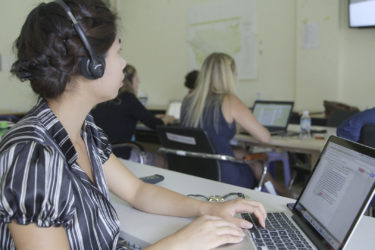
<point x="206" y="232"/>
<point x="217" y="227"/>
<point x="227" y="210"/>
<point x="166" y="118"/>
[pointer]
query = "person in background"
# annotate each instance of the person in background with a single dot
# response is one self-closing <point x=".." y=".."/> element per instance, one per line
<point x="214" y="107"/>
<point x="119" y="117"/>
<point x="351" y="128"/>
<point x="57" y="168"/>
<point x="191" y="79"/>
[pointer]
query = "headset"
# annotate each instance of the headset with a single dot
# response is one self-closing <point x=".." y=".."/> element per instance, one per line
<point x="91" y="67"/>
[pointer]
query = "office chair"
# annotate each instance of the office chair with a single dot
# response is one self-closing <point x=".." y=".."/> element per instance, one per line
<point x="282" y="157"/>
<point x="331" y="106"/>
<point x="367" y="137"/>
<point x="190" y="151"/>
<point x="9" y="118"/>
<point x="119" y="148"/>
<point x="336" y="117"/>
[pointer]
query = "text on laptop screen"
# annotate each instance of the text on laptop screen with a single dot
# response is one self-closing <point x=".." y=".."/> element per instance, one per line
<point x="336" y="192"/>
<point x="271" y="114"/>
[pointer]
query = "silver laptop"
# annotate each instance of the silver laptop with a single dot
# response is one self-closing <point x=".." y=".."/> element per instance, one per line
<point x="273" y="115"/>
<point x="329" y="207"/>
<point x="326" y="213"/>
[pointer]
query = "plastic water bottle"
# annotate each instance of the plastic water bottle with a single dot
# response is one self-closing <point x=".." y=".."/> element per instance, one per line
<point x="305" y="123"/>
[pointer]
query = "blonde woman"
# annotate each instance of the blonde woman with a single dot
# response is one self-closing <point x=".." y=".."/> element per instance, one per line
<point x="214" y="107"/>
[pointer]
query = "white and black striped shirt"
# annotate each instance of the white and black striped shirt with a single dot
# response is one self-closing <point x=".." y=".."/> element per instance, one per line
<point x="42" y="183"/>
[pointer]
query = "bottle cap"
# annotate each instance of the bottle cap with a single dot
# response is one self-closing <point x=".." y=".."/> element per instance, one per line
<point x="306" y="112"/>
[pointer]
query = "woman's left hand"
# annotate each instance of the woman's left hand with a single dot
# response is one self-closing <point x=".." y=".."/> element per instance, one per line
<point x="227" y="210"/>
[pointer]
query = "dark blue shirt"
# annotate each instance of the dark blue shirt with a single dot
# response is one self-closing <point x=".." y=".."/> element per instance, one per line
<point x="351" y="128"/>
<point x="220" y="133"/>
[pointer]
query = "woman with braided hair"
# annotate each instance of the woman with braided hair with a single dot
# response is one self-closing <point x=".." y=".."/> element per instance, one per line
<point x="57" y="167"/>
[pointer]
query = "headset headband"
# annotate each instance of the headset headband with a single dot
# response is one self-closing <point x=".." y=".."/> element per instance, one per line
<point x="92" y="67"/>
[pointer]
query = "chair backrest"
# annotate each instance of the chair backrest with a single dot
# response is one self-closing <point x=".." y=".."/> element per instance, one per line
<point x="189" y="139"/>
<point x="367" y="136"/>
<point x="330" y="106"/>
<point x="9" y="118"/>
<point x="338" y="116"/>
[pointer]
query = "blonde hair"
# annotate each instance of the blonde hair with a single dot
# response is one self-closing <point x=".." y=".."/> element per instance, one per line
<point x="216" y="80"/>
<point x="129" y="72"/>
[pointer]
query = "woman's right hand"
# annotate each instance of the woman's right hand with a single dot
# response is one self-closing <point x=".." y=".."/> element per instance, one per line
<point x="167" y="119"/>
<point x="206" y="232"/>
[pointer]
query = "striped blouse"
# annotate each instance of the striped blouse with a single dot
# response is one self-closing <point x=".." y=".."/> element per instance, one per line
<point x="42" y="183"/>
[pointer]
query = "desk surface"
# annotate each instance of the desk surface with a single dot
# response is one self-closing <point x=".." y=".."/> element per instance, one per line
<point x="294" y="144"/>
<point x="151" y="228"/>
<point x="311" y="146"/>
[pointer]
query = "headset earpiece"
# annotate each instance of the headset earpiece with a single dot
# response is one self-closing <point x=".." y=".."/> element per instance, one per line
<point x="92" y="69"/>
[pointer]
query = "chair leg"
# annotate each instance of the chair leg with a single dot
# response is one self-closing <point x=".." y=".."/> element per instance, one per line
<point x="261" y="181"/>
<point x="284" y="158"/>
<point x="286" y="168"/>
<point x="292" y="179"/>
<point x="370" y="211"/>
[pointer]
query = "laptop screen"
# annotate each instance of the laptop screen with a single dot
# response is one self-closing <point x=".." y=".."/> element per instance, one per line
<point x="339" y="188"/>
<point x="273" y="113"/>
<point x="174" y="109"/>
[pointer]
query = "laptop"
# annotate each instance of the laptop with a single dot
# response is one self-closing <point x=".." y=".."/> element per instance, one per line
<point x="324" y="216"/>
<point x="174" y="109"/>
<point x="273" y="115"/>
<point x="329" y="207"/>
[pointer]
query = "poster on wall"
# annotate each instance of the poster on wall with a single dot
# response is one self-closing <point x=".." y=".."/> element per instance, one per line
<point x="227" y="27"/>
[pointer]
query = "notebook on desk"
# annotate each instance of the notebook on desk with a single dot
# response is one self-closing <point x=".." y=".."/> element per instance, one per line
<point x="273" y="115"/>
<point x="329" y="208"/>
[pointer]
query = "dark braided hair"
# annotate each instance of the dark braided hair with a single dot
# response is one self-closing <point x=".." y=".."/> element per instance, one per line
<point x="49" y="48"/>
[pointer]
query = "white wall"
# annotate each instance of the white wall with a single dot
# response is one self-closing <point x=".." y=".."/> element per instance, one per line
<point x="154" y="37"/>
<point x="317" y="67"/>
<point x="339" y="69"/>
<point x="14" y="95"/>
<point x="356" y="63"/>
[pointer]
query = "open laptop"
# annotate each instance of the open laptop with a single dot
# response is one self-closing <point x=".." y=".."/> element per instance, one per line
<point x="325" y="215"/>
<point x="329" y="207"/>
<point x="174" y="109"/>
<point x="273" y="115"/>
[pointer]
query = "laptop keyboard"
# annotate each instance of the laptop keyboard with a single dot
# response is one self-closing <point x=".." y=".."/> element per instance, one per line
<point x="280" y="233"/>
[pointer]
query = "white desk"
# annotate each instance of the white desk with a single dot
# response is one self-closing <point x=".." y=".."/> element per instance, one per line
<point x="311" y="146"/>
<point x="151" y="228"/>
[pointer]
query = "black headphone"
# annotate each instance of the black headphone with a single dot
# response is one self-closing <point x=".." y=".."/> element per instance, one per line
<point x="91" y="67"/>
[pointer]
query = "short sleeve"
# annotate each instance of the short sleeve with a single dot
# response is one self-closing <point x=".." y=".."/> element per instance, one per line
<point x="35" y="187"/>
